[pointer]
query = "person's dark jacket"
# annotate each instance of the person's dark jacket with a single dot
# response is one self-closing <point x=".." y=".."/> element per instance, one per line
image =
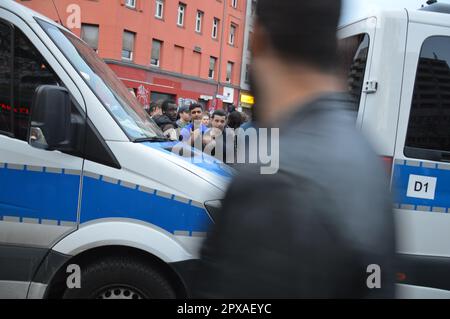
<point x="312" y="229"/>
<point x="164" y="122"/>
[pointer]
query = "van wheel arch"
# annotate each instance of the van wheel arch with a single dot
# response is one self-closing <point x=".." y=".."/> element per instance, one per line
<point x="57" y="284"/>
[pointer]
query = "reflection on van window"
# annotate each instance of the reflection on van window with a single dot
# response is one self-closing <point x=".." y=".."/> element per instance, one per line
<point x="353" y="53"/>
<point x="30" y="70"/>
<point x="429" y="122"/>
<point x="5" y="78"/>
<point x="122" y="105"/>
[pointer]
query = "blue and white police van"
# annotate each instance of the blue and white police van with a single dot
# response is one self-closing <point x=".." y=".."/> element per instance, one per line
<point x="88" y="183"/>
<point x="399" y="64"/>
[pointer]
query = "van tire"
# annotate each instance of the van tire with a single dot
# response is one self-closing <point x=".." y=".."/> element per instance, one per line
<point x="119" y="277"/>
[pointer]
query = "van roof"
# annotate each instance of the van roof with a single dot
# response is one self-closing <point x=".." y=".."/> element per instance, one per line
<point x="437" y="7"/>
<point x="25" y="13"/>
<point x="434" y="14"/>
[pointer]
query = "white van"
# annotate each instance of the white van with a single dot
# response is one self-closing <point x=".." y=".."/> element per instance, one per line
<point x="87" y="181"/>
<point x="399" y="65"/>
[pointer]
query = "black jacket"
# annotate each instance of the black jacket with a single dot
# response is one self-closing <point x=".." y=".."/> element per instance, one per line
<point x="164" y="122"/>
<point x="312" y="229"/>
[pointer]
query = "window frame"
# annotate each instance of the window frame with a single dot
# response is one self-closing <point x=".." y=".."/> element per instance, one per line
<point x="181" y="13"/>
<point x="229" y="77"/>
<point x="232" y="35"/>
<point x="131" y="4"/>
<point x="160" y="49"/>
<point x="212" y="77"/>
<point x="130" y="59"/>
<point x="199" y="21"/>
<point x="215" y="28"/>
<point x="159" y="4"/>
<point x="98" y="34"/>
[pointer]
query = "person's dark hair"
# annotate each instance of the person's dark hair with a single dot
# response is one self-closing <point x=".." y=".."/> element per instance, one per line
<point x="183" y="109"/>
<point x="152" y="108"/>
<point x="235" y="120"/>
<point x="165" y="105"/>
<point x="218" y="113"/>
<point x="302" y="30"/>
<point x="194" y="106"/>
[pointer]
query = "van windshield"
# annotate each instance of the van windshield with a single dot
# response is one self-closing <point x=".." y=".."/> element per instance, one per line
<point x="120" y="103"/>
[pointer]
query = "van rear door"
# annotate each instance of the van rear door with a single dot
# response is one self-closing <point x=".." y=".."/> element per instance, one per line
<point x="421" y="173"/>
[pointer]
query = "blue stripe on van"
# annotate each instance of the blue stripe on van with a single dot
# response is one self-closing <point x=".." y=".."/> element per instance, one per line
<point x="54" y="196"/>
<point x="39" y="195"/>
<point x="400" y="181"/>
<point x="101" y="200"/>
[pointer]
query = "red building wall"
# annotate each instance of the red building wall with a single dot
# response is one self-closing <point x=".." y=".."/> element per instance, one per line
<point x="182" y="72"/>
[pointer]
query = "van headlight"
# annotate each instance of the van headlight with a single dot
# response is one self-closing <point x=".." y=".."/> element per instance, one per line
<point x="213" y="207"/>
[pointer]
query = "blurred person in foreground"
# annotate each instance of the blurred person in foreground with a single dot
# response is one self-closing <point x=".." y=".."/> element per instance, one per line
<point x="312" y="229"/>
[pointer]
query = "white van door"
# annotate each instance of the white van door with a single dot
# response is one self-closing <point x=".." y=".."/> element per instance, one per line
<point x="39" y="189"/>
<point x="355" y="53"/>
<point x="421" y="173"/>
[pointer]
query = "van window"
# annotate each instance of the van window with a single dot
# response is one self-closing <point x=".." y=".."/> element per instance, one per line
<point x="5" y="79"/>
<point x="353" y="53"/>
<point x="428" y="134"/>
<point x="29" y="70"/>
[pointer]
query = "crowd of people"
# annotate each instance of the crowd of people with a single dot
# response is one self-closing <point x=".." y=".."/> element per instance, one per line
<point x="197" y="127"/>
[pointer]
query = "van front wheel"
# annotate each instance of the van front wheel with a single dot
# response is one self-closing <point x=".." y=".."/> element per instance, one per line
<point x="119" y="278"/>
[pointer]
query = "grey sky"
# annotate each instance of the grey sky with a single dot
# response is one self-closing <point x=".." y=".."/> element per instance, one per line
<point x="356" y="8"/>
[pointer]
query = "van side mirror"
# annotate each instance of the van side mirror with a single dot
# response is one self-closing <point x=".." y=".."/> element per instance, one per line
<point x="50" y="126"/>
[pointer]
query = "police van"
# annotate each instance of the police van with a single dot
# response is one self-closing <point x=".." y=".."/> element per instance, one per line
<point x="93" y="202"/>
<point x="399" y="64"/>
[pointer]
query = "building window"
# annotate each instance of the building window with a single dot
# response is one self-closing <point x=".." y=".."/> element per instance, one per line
<point x="156" y="53"/>
<point x="215" y="29"/>
<point x="212" y="67"/>
<point x="230" y="66"/>
<point x="232" y="38"/>
<point x="234" y="3"/>
<point x="128" y="45"/>
<point x="159" y="12"/>
<point x="89" y="34"/>
<point x="130" y="3"/>
<point x="198" y="21"/>
<point x="247" y="73"/>
<point x="181" y="12"/>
